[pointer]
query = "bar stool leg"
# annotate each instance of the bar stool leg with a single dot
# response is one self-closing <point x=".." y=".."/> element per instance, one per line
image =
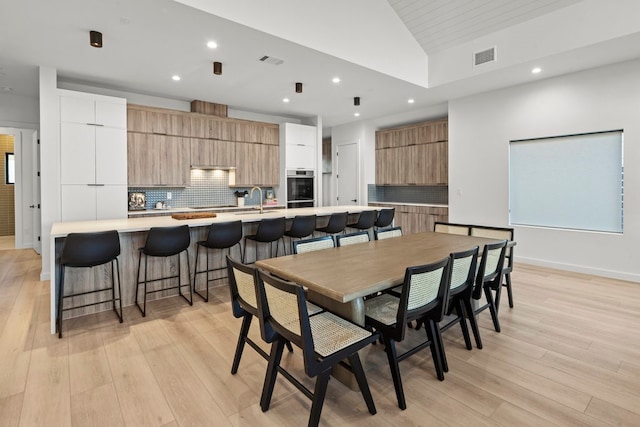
<point x="60" y="299"/>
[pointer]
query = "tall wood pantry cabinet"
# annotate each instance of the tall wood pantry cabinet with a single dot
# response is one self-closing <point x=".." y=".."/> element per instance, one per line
<point x="93" y="156"/>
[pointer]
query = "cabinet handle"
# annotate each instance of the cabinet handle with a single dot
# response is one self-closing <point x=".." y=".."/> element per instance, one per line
<point x="95" y="185"/>
<point x="300" y="145"/>
<point x="94" y="124"/>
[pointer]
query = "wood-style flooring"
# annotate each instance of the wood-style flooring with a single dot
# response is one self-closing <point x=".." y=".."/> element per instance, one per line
<point x="568" y="355"/>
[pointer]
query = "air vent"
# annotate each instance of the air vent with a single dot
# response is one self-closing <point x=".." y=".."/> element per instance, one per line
<point x="482" y="57"/>
<point x="271" y="60"/>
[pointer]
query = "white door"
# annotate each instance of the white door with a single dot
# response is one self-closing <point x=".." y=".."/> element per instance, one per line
<point x="347" y="173"/>
<point x="36" y="217"/>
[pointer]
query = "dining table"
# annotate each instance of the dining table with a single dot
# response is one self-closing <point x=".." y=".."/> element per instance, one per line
<point x="339" y="278"/>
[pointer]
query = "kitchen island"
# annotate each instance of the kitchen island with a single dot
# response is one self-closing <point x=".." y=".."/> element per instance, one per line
<point x="132" y="233"/>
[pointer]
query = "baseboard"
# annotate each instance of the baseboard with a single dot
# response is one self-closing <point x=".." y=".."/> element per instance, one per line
<point x="44" y="276"/>
<point x="620" y="275"/>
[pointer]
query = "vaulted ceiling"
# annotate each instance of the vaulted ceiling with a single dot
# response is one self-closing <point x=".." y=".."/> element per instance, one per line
<point x="384" y="51"/>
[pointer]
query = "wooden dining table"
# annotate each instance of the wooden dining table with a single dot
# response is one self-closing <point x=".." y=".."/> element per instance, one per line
<point x="340" y="278"/>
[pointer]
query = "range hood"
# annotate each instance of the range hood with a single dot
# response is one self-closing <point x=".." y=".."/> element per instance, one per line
<point x="210" y="167"/>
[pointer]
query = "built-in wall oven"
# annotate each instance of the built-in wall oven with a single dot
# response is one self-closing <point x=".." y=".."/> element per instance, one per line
<point x="300" y="188"/>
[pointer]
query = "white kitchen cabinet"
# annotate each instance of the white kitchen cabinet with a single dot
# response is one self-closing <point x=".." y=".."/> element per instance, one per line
<point x="93" y="156"/>
<point x="91" y="202"/>
<point x="300" y="146"/>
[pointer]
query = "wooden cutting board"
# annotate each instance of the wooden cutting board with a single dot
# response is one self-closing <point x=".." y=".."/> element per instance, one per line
<point x="193" y="215"/>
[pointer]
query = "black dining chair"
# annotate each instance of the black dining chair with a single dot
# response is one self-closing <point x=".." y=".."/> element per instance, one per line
<point x="423" y="296"/>
<point x="501" y="233"/>
<point x="489" y="281"/>
<point x="325" y="339"/>
<point x="385" y="218"/>
<point x="365" y="221"/>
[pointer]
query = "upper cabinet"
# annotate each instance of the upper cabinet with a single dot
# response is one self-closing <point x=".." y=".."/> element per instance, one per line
<point x="300" y="144"/>
<point x="413" y="155"/>
<point x="165" y="144"/>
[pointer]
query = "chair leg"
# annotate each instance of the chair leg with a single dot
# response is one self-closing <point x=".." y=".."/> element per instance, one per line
<point x="60" y="300"/>
<point x="272" y="372"/>
<point x="507" y="278"/>
<point x="436" y="353"/>
<point x="205" y="297"/>
<point x="358" y="371"/>
<point x="319" y="393"/>
<point x="474" y="324"/>
<point x="463" y="324"/>
<point x="392" y="356"/>
<point x="492" y="309"/>
<point x="289" y="347"/>
<point x="138" y="280"/>
<point x="189" y="278"/>
<point x="113" y="289"/>
<point x="242" y="338"/>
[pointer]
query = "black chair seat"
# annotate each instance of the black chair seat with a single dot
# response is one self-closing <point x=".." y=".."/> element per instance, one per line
<point x="269" y="230"/>
<point x="337" y="223"/>
<point x="301" y="226"/>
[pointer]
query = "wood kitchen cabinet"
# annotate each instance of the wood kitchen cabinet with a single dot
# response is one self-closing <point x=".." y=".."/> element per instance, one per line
<point x="211" y="153"/>
<point x="413" y="155"/>
<point x="257" y="164"/>
<point x="158" y="160"/>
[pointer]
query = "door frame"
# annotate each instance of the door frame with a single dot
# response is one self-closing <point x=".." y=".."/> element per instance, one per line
<point x="23" y="194"/>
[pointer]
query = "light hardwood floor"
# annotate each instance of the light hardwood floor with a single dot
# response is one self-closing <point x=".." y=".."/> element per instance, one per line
<point x="568" y="355"/>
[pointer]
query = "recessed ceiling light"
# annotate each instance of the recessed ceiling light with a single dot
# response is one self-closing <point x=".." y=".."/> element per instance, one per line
<point x="536" y="70"/>
<point x="411" y="101"/>
<point x="212" y="45"/>
<point x="176" y="78"/>
<point x="7" y="89"/>
<point x="336" y="80"/>
<point x="356" y="114"/>
<point x="285" y="99"/>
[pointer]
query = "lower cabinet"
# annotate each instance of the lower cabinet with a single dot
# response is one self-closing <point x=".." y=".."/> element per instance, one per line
<point x="416" y="218"/>
<point x="89" y="202"/>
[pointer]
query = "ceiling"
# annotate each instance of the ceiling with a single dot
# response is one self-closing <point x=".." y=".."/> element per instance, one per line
<point x="146" y="42"/>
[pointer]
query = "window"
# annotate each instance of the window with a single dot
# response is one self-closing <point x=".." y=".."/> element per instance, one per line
<point x="9" y="168"/>
<point x="572" y="182"/>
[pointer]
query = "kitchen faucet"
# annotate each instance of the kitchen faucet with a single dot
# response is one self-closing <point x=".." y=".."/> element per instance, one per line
<point x="251" y="195"/>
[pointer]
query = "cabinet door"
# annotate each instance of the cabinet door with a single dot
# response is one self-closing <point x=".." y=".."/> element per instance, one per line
<point x="174" y="163"/>
<point x="248" y="161"/>
<point x="77" y="153"/>
<point x="111" y="114"/>
<point x="270" y="165"/>
<point x="111" y="202"/>
<point x="208" y="152"/>
<point x="429" y="164"/>
<point x="77" y="110"/>
<point x="143" y="160"/>
<point x="300" y="156"/>
<point x="78" y="203"/>
<point x="111" y="155"/>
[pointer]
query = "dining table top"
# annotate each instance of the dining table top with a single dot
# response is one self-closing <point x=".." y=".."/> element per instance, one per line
<point x="349" y="272"/>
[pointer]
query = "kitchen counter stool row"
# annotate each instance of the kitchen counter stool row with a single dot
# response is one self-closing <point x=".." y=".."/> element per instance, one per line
<point x="87" y="250"/>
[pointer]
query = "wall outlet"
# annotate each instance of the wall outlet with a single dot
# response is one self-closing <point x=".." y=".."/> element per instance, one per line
<point x="169" y="195"/>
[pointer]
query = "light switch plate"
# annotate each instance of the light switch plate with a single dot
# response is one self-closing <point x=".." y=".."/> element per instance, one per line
<point x="169" y="195"/>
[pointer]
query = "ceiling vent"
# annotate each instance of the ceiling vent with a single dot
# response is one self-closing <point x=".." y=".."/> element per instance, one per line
<point x="484" y="56"/>
<point x="271" y="60"/>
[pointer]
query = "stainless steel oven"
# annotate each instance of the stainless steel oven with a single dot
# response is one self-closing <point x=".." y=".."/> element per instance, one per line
<point x="300" y="188"/>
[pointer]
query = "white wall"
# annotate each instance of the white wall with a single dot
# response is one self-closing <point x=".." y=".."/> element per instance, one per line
<point x="19" y="111"/>
<point x="480" y="128"/>
<point x="362" y="133"/>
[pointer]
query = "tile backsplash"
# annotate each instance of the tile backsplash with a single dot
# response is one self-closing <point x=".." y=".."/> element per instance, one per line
<point x="208" y="188"/>
<point x="429" y="194"/>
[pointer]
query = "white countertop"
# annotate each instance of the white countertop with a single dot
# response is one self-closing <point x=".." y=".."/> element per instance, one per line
<point x="169" y="211"/>
<point x="128" y="225"/>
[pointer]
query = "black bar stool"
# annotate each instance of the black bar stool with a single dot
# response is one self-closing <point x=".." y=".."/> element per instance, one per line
<point x="89" y="250"/>
<point x="385" y="218"/>
<point x="269" y="230"/>
<point x="302" y="226"/>
<point x="365" y="221"/>
<point x="224" y="235"/>
<point x="164" y="242"/>
<point x="337" y="223"/>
